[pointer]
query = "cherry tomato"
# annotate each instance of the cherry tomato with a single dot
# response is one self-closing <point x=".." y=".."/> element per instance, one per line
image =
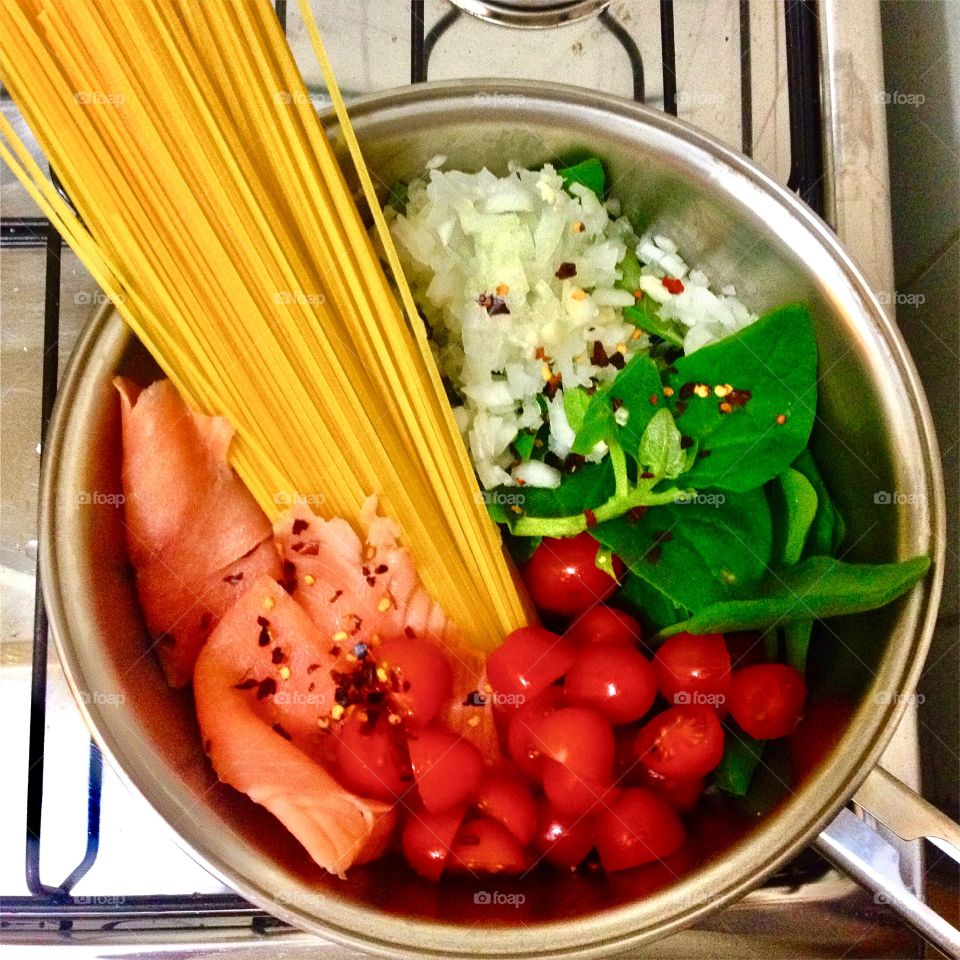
<point x="579" y="738"/>
<point x="427" y="839"/>
<point x="423" y="673"/>
<point x="767" y="700"/>
<point x="817" y="733"/>
<point x="573" y="794"/>
<point x="563" y="577"/>
<point x="682" y="742"/>
<point x="681" y="794"/>
<point x="504" y="797"/>
<point x="638" y="827"/>
<point x="563" y="840"/>
<point x="605" y="625"/>
<point x="371" y="759"/>
<point x="694" y="668"/>
<point x="526" y="663"/>
<point x="520" y="743"/>
<point x="447" y="769"/>
<point x="485" y="846"/>
<point x="614" y="679"/>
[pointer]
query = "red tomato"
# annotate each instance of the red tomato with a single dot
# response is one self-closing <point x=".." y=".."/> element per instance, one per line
<point x="485" y="846"/>
<point x="505" y="798"/>
<point x="767" y="700"/>
<point x="638" y="827"/>
<point x="371" y="760"/>
<point x="682" y="742"/>
<point x="817" y="733"/>
<point x="574" y="794"/>
<point x="526" y="663"/>
<point x="447" y="769"/>
<point x="427" y="839"/>
<point x="520" y="743"/>
<point x="563" y="577"/>
<point x="614" y="679"/>
<point x="423" y="673"/>
<point x="563" y="840"/>
<point x="605" y="625"/>
<point x="682" y="795"/>
<point x="694" y="668"/>
<point x="579" y="738"/>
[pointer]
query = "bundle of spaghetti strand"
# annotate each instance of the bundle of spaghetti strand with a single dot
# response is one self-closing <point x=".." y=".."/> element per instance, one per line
<point x="213" y="212"/>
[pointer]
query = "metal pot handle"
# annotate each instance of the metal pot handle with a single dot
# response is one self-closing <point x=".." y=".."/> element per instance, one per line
<point x="857" y="848"/>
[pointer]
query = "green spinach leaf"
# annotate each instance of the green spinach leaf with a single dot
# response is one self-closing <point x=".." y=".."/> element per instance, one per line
<point x="814" y="589"/>
<point x="794" y="505"/>
<point x="524" y="445"/>
<point x="645" y="315"/>
<point x="654" y="608"/>
<point x="749" y="436"/>
<point x="827" y="529"/>
<point x="660" y="452"/>
<point x="629" y="268"/>
<point x="741" y="754"/>
<point x="586" y="489"/>
<point x="796" y="641"/>
<point x="589" y="172"/>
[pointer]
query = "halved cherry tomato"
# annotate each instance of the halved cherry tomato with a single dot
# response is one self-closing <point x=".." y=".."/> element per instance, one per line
<point x="423" y="673"/>
<point x="563" y="840"/>
<point x="526" y="663"/>
<point x="579" y="738"/>
<point x="614" y="679"/>
<point x="485" y="846"/>
<point x="563" y="577"/>
<point x="694" y="668"/>
<point x="428" y="838"/>
<point x="638" y="827"/>
<point x="371" y="759"/>
<point x="682" y="742"/>
<point x="504" y="797"/>
<point x="681" y="794"/>
<point x="519" y="737"/>
<point x="602" y="624"/>
<point x="447" y="769"/>
<point x="817" y="733"/>
<point x="767" y="700"/>
<point x="573" y="794"/>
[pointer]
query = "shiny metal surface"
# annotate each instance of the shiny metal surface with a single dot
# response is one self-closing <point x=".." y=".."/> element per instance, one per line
<point x="531" y="13"/>
<point x="875" y="436"/>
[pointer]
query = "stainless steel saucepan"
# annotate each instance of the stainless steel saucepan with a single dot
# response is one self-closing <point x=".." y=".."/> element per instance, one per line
<point x="874" y="435"/>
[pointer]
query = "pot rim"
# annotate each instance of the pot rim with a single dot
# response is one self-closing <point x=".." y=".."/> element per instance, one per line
<point x="764" y="849"/>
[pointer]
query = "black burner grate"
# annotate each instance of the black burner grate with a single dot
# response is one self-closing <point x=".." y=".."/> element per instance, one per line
<point x="53" y="907"/>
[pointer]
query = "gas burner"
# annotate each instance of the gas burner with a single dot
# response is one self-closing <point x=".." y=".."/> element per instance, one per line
<point x="531" y="13"/>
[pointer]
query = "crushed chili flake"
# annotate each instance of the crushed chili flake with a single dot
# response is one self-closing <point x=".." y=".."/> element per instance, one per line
<point x="672" y="285"/>
<point x="297" y="547"/>
<point x="578" y="226"/>
<point x="725" y="407"/>
<point x="703" y="454"/>
<point x="246" y="684"/>
<point x="300" y="525"/>
<point x="668" y="391"/>
<point x="289" y="580"/>
<point x="233" y="578"/>
<point x="266" y="688"/>
<point x="618" y="361"/>
<point x="738" y="398"/>
<point x="381" y="568"/>
<point x="636" y="514"/>
<point x="268" y="603"/>
<point x="654" y="399"/>
<point x="599" y="356"/>
<point x="702" y="390"/>
<point x="653" y="554"/>
<point x="277" y="656"/>
<point x="336" y="596"/>
<point x="662" y="536"/>
<point x="410" y="633"/>
<point x="502" y="289"/>
<point x="264" y="639"/>
<point x="276" y="728"/>
<point x="616" y="403"/>
<point x="681" y="408"/>
<point x="686" y="443"/>
<point x="371" y="581"/>
<point x="646" y="475"/>
<point x="722" y="390"/>
<point x="578" y="294"/>
<point x="781" y="419"/>
<point x="311" y="549"/>
<point x="206" y="618"/>
<point x="566" y="270"/>
<point x="686" y="390"/>
<point x="591" y="519"/>
<point x="312" y="667"/>
<point x="553" y="384"/>
<point x="263" y="622"/>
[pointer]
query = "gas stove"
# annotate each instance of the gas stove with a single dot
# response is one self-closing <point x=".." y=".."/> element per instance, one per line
<point x="781" y="81"/>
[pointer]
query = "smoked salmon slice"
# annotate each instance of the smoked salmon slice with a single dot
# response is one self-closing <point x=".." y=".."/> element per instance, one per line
<point x="264" y="690"/>
<point x="195" y="535"/>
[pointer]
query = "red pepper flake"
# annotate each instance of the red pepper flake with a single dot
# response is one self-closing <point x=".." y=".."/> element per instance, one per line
<point x="725" y="407"/>
<point x="781" y="419"/>
<point x="493" y="305"/>
<point x="654" y="554"/>
<point x="654" y="399"/>
<point x="381" y="568"/>
<point x="646" y="475"/>
<point x="616" y="403"/>
<point x="599" y="356"/>
<point x="410" y="633"/>
<point x="167" y="640"/>
<point x="672" y="284"/>
<point x="636" y="514"/>
<point x="289" y="579"/>
<point x="668" y="391"/>
<point x="276" y="728"/>
<point x="686" y="391"/>
<point x="233" y="579"/>
<point x="738" y="398"/>
<point x="311" y="549"/>
<point x="298" y="546"/>
<point x="357" y="622"/>
<point x="246" y="684"/>
<point x="206" y="618"/>
<point x="686" y="443"/>
<point x="335" y="650"/>
<point x="278" y="656"/>
<point x="681" y="408"/>
<point x="207" y="744"/>
<point x="264" y="639"/>
<point x="300" y="525"/>
<point x="312" y="667"/>
<point x="566" y="270"/>
<point x="263" y="622"/>
<point x="553" y="385"/>
<point x="266" y="688"/>
<point x="703" y="454"/>
<point x="662" y="536"/>
<point x="618" y="361"/>
<point x="591" y="519"/>
<point x="337" y="595"/>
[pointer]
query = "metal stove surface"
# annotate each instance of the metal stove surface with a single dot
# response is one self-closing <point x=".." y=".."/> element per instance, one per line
<point x="816" y="913"/>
